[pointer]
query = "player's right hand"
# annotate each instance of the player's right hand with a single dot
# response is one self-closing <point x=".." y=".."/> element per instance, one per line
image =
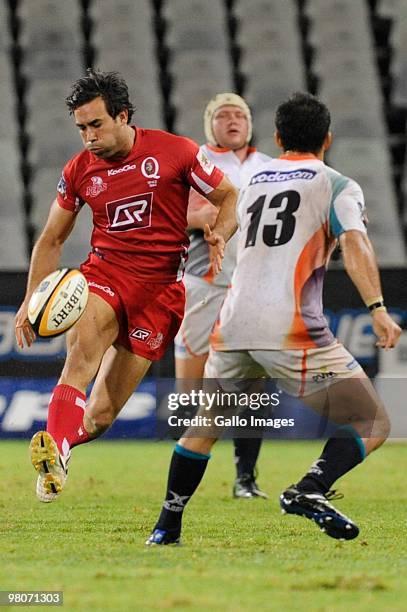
<point x="23" y="329"/>
<point x="216" y="244"/>
<point x="387" y="330"/>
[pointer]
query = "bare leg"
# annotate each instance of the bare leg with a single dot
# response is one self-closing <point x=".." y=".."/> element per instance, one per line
<point x="87" y="342"/>
<point x="349" y="403"/>
<point x="189" y="373"/>
<point x="354" y="402"/>
<point x="192" y="367"/>
<point x="119" y="374"/>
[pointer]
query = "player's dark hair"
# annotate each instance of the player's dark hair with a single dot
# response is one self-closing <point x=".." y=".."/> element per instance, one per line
<point x="108" y="85"/>
<point x="303" y="122"/>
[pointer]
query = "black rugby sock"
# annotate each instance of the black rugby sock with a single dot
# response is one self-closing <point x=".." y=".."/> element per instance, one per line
<point x="246" y="454"/>
<point x="339" y="456"/>
<point x="186" y="471"/>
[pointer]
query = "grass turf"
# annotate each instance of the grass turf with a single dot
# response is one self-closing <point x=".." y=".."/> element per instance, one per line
<point x="237" y="554"/>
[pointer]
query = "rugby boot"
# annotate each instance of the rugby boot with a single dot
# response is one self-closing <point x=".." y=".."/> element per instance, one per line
<point x="318" y="508"/>
<point x="246" y="487"/>
<point x="161" y="537"/>
<point x="50" y="465"/>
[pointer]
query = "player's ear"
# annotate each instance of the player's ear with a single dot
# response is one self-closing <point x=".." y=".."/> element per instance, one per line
<point x="278" y="141"/>
<point x="327" y="141"/>
<point x="123" y="116"/>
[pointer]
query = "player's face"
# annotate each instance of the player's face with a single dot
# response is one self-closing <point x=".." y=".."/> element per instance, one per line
<point x="101" y="134"/>
<point x="230" y="126"/>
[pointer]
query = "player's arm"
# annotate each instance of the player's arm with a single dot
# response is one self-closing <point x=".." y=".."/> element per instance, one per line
<point x="224" y="197"/>
<point x="360" y="263"/>
<point x="200" y="211"/>
<point x="44" y="260"/>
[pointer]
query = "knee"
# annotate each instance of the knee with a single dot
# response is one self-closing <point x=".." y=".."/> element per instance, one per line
<point x="383" y="431"/>
<point x="382" y="426"/>
<point x="379" y="434"/>
<point x="386" y="428"/>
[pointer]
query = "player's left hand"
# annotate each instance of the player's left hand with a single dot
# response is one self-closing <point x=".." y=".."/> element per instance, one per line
<point x="23" y="330"/>
<point x="387" y="330"/>
<point x="216" y="244"/>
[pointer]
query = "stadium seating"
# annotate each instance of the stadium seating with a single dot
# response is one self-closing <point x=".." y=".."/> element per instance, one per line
<point x="271" y="62"/>
<point x="391" y="8"/>
<point x="367" y="161"/>
<point x="176" y="54"/>
<point x="8" y="126"/>
<point x="5" y="34"/>
<point x="199" y="62"/>
<point x="13" y="238"/>
<point x="344" y="62"/>
<point x="44" y="190"/>
<point x="191" y="94"/>
<point x="399" y="62"/>
<point x="128" y="46"/>
<point x="51" y="44"/>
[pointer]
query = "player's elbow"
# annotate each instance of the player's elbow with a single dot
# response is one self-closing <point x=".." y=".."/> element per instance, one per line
<point x="50" y="240"/>
<point x="355" y="245"/>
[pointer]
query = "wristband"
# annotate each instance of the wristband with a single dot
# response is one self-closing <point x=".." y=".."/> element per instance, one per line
<point x="377" y="306"/>
<point x="374" y="300"/>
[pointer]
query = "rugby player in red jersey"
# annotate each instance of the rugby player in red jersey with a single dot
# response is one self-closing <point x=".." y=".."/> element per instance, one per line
<point x="137" y="183"/>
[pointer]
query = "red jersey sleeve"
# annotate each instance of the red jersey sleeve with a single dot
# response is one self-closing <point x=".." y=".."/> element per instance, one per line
<point x="66" y="194"/>
<point x="202" y="174"/>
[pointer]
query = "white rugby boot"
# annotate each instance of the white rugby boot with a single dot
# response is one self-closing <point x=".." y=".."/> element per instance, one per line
<point x="50" y="464"/>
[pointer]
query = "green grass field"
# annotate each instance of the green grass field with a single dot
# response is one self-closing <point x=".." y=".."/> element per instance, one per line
<point x="237" y="555"/>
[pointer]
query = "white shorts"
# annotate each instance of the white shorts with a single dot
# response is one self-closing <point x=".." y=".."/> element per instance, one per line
<point x="298" y="372"/>
<point x="203" y="304"/>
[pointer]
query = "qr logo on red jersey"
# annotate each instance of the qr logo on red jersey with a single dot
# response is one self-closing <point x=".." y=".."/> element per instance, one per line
<point x="139" y="333"/>
<point x="130" y="213"/>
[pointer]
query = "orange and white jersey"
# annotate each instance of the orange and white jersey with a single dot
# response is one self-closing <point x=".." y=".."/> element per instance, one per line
<point x="290" y="213"/>
<point x="198" y="258"/>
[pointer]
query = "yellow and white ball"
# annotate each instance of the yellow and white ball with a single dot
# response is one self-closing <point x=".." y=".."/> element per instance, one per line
<point x="58" y="302"/>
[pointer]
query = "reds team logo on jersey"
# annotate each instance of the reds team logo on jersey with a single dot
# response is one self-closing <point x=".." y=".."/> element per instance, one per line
<point x="61" y="188"/>
<point x="156" y="342"/>
<point x="130" y="213"/>
<point x="206" y="164"/>
<point x="97" y="187"/>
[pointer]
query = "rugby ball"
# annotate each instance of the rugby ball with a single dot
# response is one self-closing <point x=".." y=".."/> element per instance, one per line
<point x="58" y="302"/>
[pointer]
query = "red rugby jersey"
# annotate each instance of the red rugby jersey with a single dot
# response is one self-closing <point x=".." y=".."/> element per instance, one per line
<point x="139" y="203"/>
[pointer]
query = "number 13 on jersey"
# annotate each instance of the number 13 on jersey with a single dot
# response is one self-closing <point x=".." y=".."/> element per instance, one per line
<point x="280" y="232"/>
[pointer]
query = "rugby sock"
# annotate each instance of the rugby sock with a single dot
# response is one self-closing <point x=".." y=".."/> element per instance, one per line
<point x="65" y="418"/>
<point x="339" y="456"/>
<point x="246" y="454"/>
<point x="185" y="474"/>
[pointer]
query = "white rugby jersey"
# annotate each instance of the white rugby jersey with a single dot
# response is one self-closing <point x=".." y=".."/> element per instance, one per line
<point x="198" y="253"/>
<point x="290" y="213"/>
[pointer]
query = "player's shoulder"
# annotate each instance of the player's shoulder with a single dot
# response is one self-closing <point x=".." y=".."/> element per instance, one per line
<point x="78" y="163"/>
<point x="339" y="182"/>
<point x="167" y="138"/>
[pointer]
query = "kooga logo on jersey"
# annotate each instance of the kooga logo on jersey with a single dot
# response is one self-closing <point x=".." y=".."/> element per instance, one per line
<point x="276" y="176"/>
<point x="125" y="168"/>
